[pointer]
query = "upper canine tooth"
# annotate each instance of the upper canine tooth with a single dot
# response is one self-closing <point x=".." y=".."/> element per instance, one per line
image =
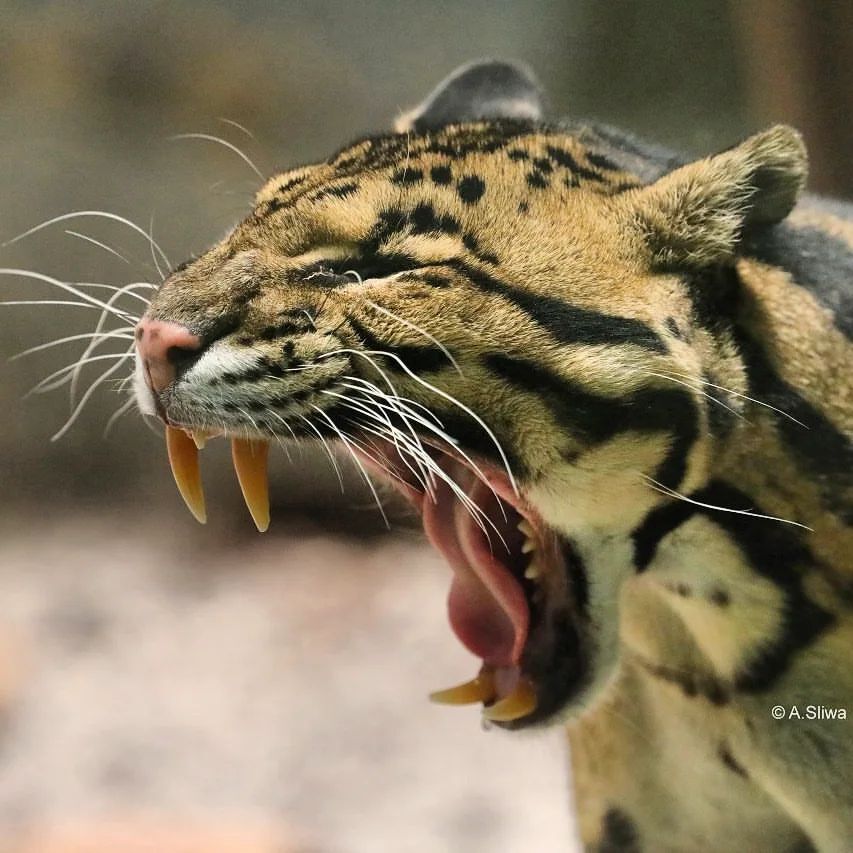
<point x="526" y="528"/>
<point x="183" y="458"/>
<point x="479" y="689"/>
<point x="520" y="703"/>
<point x="250" y="463"/>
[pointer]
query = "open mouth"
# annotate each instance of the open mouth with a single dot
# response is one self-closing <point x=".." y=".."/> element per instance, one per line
<point x="517" y="595"/>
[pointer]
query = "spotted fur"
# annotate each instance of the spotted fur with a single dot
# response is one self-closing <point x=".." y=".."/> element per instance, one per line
<point x="662" y="350"/>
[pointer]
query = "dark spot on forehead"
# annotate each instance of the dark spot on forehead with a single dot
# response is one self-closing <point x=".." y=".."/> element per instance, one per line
<point x="543" y="164"/>
<point x="409" y="175"/>
<point x="471" y="189"/>
<point x="537" y="180"/>
<point x="441" y="174"/>
<point x="517" y="154"/>
<point x="424" y="220"/>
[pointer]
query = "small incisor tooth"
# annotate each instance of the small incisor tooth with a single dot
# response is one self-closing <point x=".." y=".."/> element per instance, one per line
<point x="527" y="546"/>
<point x="183" y="458"/>
<point x="532" y="571"/>
<point x="526" y="528"/>
<point x="250" y="463"/>
<point x="479" y="689"/>
<point x="199" y="437"/>
<point x="521" y="702"/>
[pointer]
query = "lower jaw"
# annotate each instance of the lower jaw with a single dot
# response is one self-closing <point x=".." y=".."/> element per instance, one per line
<point x="551" y="669"/>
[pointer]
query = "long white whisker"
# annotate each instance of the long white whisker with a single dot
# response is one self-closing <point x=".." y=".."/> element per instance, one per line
<point x="85" y="398"/>
<point x="238" y="126"/>
<point x="68" y="288"/>
<point x="665" y="490"/>
<point x="451" y="399"/>
<point x="328" y="449"/>
<point x="44" y="386"/>
<point x="103" y="214"/>
<point x="94" y="344"/>
<point x="130" y="321"/>
<point x="444" y="395"/>
<point x="697" y="390"/>
<point x="751" y="399"/>
<point x="418" y="329"/>
<point x="389" y="432"/>
<point x="357" y="462"/>
<point x="395" y="435"/>
<point x="210" y="138"/>
<point x="114" y="417"/>
<point x="407" y="402"/>
<point x="98" y="243"/>
<point x="99" y="335"/>
<point x="152" y="244"/>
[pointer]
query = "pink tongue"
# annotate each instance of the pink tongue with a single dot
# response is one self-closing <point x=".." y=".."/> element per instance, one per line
<point x="486" y="605"/>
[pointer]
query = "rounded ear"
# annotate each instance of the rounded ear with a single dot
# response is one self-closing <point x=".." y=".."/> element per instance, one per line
<point x="482" y="90"/>
<point x="697" y="214"/>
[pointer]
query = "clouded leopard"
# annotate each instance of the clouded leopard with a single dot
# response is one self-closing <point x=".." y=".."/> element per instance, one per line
<point x="616" y="385"/>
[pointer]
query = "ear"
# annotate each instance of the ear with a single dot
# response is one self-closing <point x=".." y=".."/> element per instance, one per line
<point x="482" y="90"/>
<point x="697" y="214"/>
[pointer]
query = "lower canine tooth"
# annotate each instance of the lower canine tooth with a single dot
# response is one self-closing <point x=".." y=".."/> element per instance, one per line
<point x="479" y="689"/>
<point x="250" y="463"/>
<point x="521" y="702"/>
<point x="183" y="457"/>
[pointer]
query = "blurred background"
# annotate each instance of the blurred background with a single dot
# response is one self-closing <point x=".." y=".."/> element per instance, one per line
<point x="175" y="688"/>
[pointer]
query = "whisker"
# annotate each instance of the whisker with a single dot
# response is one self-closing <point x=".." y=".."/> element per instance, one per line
<point x="65" y="372"/>
<point x="328" y="450"/>
<point x="151" y="245"/>
<point x="391" y="432"/>
<point x="713" y="399"/>
<point x="104" y="214"/>
<point x="388" y="431"/>
<point x="357" y="461"/>
<point x="116" y="415"/>
<point x="66" y="287"/>
<point x="63" y="302"/>
<point x="443" y="394"/>
<point x="751" y="399"/>
<point x="98" y="243"/>
<point x="210" y="138"/>
<point x="99" y="335"/>
<point x="238" y="126"/>
<point x="418" y="329"/>
<point x="665" y="490"/>
<point x="72" y="391"/>
<point x="85" y="398"/>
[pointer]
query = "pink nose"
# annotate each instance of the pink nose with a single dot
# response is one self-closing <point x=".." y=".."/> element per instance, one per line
<point x="163" y="347"/>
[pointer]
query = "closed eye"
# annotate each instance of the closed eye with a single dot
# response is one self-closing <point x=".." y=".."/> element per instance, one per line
<point x="338" y="272"/>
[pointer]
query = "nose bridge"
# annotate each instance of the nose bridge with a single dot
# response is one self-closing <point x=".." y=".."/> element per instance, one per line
<point x="163" y="346"/>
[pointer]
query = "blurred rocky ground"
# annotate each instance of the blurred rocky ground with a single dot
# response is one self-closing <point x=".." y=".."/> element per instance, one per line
<point x="167" y="691"/>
